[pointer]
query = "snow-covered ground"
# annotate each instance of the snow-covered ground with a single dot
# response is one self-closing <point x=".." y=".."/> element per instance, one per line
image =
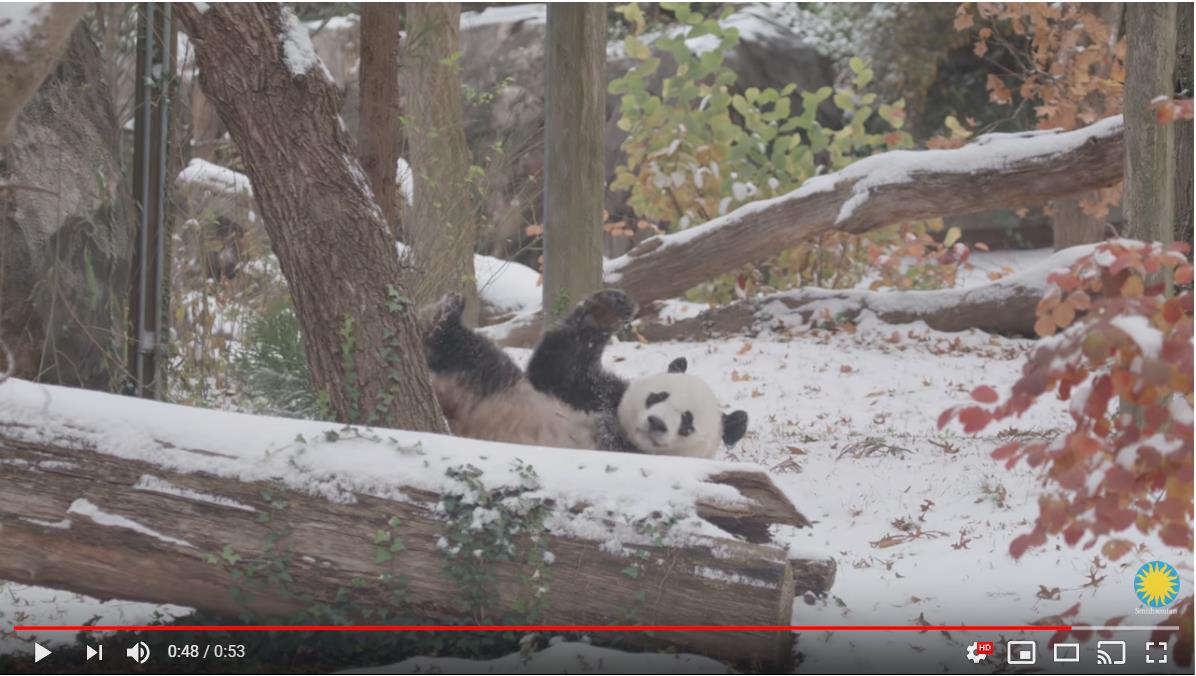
<point x="918" y="520"/>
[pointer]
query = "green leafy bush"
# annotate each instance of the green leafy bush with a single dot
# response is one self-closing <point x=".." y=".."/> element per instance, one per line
<point x="699" y="149"/>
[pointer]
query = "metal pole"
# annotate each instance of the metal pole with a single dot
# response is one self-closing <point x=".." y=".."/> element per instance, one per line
<point x="151" y="137"/>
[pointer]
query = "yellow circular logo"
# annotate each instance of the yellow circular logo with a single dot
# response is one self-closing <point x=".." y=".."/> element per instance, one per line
<point x="1156" y="584"/>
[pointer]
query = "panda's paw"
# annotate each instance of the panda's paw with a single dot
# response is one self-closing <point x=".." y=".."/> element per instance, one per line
<point x="450" y="309"/>
<point x="606" y="310"/>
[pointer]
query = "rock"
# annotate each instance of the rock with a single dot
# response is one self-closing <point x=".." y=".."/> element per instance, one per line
<point x="66" y="229"/>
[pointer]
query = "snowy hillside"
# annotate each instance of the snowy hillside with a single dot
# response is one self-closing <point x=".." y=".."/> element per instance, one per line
<point x="919" y="521"/>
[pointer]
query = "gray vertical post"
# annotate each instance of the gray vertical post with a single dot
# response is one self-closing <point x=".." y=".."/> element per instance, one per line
<point x="151" y="127"/>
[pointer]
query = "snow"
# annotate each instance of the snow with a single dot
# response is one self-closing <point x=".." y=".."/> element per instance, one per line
<point x="562" y="657"/>
<point x="405" y="180"/>
<point x="18" y="21"/>
<point x="1148" y="338"/>
<point x="298" y="52"/>
<point x="154" y="484"/>
<point x="995" y="151"/>
<point x="334" y="24"/>
<point x="498" y="15"/>
<point x="84" y="507"/>
<point x="214" y="177"/>
<point x="63" y="524"/>
<point x="507" y="286"/>
<point x="845" y="422"/>
<point x="201" y="7"/>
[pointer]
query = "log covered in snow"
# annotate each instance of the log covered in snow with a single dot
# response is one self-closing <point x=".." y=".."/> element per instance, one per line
<point x="124" y="498"/>
<point x="1004" y="306"/>
<point x="996" y="171"/>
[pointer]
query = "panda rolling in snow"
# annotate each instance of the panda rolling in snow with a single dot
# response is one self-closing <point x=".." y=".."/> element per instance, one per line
<point x="566" y="398"/>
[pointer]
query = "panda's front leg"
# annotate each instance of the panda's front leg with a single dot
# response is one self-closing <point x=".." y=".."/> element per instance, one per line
<point x="603" y="312"/>
<point x="567" y="362"/>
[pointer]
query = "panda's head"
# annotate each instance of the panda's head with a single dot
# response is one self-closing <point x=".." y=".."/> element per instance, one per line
<point x="677" y="414"/>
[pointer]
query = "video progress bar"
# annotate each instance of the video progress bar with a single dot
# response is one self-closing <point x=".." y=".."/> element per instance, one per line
<point x="593" y="627"/>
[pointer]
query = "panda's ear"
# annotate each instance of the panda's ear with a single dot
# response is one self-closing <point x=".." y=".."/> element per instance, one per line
<point x="734" y="427"/>
<point x="678" y="365"/>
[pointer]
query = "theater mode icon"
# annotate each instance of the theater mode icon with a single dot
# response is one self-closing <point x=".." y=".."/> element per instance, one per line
<point x="1066" y="652"/>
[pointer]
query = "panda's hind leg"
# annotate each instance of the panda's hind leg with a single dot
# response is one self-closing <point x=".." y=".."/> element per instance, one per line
<point x="567" y="362"/>
<point x="457" y="351"/>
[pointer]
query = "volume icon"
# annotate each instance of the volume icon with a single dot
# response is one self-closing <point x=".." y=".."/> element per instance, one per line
<point x="139" y="653"/>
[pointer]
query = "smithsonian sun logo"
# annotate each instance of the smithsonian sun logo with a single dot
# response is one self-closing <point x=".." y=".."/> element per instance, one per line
<point x="1156" y="584"/>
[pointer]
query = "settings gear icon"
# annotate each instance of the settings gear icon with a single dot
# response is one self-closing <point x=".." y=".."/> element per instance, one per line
<point x="976" y="657"/>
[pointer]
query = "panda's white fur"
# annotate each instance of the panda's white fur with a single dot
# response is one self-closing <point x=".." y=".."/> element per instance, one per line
<point x="672" y="414"/>
<point x="521" y="415"/>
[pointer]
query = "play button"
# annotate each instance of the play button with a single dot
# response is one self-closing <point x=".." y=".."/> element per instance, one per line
<point x="39" y="652"/>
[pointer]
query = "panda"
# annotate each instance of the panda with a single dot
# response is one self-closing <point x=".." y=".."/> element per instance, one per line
<point x="566" y="398"/>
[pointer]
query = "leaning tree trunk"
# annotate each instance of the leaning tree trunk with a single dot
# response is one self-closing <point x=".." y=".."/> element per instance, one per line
<point x="30" y="51"/>
<point x="991" y="173"/>
<point x="379" y="127"/>
<point x="575" y="170"/>
<point x="443" y="230"/>
<point x="1150" y="146"/>
<point x="258" y="68"/>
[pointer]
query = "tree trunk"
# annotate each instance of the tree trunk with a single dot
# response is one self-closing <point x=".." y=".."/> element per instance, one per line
<point x="273" y="93"/>
<point x="27" y="56"/>
<point x="1006" y="306"/>
<point x="443" y="230"/>
<point x="1149" y="197"/>
<point x="1071" y="226"/>
<point x="379" y="129"/>
<point x="574" y="174"/>
<point x="82" y="510"/>
<point x="1183" y="128"/>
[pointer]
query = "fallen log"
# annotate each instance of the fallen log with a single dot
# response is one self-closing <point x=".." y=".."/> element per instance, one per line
<point x="124" y="498"/>
<point x="996" y="171"/>
<point x="1005" y="306"/>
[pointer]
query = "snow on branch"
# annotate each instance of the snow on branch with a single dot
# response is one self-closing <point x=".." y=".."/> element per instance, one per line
<point x="995" y="171"/>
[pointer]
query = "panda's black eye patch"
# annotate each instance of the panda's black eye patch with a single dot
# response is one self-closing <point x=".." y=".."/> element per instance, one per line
<point x="655" y="398"/>
<point x="687" y="424"/>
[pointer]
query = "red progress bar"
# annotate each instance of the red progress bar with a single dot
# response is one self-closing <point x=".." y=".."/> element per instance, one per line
<point x="547" y="627"/>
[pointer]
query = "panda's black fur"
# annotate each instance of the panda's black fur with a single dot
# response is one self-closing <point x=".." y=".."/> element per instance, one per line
<point x="566" y="397"/>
